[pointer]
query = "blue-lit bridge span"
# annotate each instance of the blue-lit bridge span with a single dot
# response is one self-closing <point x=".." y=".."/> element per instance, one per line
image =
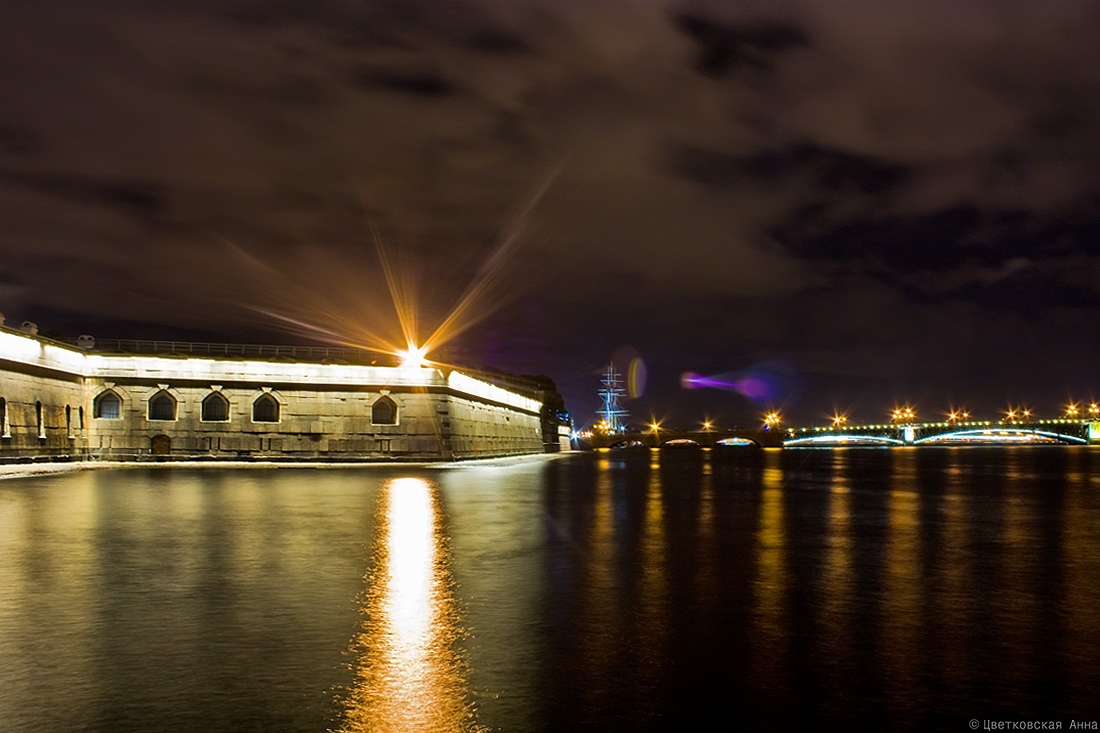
<point x="1038" y="432"/>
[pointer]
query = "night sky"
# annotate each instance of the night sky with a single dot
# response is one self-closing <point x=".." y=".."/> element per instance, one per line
<point x="858" y="202"/>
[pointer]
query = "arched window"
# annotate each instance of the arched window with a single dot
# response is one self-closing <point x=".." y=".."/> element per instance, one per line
<point x="215" y="408"/>
<point x="384" y="411"/>
<point x="108" y="406"/>
<point x="80" y="414"/>
<point x="162" y="406"/>
<point x="69" y="421"/>
<point x="5" y="428"/>
<point x="265" y="409"/>
<point x="38" y="420"/>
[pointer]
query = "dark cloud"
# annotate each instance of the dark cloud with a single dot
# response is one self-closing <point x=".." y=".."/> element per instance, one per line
<point x="17" y="141"/>
<point x="498" y="42"/>
<point x="725" y="47"/>
<point x="282" y="88"/>
<point x="415" y="83"/>
<point x="834" y="171"/>
<point x="943" y="239"/>
<point x="144" y="198"/>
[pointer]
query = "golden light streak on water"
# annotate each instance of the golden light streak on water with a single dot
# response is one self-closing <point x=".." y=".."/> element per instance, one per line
<point x="772" y="580"/>
<point x="1022" y="588"/>
<point x="707" y="576"/>
<point x="653" y="594"/>
<point x="654" y="550"/>
<point x="412" y="676"/>
<point x="838" y="581"/>
<point x="706" y="500"/>
<point x="48" y="572"/>
<point x="957" y="614"/>
<point x="597" y="637"/>
<point x="1080" y="526"/>
<point x="903" y="592"/>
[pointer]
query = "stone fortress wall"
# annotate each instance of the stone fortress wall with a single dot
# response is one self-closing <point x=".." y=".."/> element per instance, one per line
<point x="64" y="403"/>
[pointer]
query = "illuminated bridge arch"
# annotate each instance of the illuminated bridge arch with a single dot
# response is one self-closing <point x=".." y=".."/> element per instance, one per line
<point x="736" y="442"/>
<point x="1000" y="436"/>
<point x="624" y="444"/>
<point x="681" y="443"/>
<point x="832" y="439"/>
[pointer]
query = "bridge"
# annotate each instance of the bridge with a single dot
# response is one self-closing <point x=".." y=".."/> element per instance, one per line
<point x="714" y="438"/>
<point x="977" y="432"/>
<point x="1064" y="431"/>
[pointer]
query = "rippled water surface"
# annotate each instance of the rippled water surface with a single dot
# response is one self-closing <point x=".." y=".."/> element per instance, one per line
<point x="904" y="589"/>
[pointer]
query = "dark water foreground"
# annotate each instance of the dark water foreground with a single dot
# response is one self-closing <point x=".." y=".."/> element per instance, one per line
<point x="907" y="589"/>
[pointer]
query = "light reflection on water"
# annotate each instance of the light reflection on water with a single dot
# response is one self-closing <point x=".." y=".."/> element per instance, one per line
<point x="770" y="582"/>
<point x="411" y="675"/>
<point x="895" y="589"/>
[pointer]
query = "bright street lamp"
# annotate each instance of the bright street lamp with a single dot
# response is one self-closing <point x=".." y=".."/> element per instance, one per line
<point x="903" y="414"/>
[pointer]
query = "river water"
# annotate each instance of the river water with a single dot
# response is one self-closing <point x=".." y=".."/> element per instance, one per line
<point x="894" y="589"/>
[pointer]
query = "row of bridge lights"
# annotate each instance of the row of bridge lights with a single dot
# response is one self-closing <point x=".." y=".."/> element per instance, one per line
<point x="908" y="414"/>
<point x="774" y="418"/>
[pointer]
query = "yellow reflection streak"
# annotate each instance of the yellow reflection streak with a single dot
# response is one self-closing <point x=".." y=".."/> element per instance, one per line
<point x="770" y="586"/>
<point x="1081" y="594"/>
<point x="707" y="576"/>
<point x="903" y="594"/>
<point x="955" y="612"/>
<point x="1021" y="553"/>
<point x="598" y="626"/>
<point x="653" y="591"/>
<point x="838" y="583"/>
<point x="411" y="676"/>
<point x="648" y="665"/>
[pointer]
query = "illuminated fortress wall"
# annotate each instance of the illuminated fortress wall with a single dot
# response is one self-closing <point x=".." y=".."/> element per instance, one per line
<point x="42" y="400"/>
<point x="128" y="406"/>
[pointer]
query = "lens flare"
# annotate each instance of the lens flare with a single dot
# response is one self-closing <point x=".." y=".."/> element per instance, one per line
<point x="755" y="388"/>
<point x="762" y="383"/>
<point x="331" y="315"/>
<point x="413" y="357"/>
<point x="636" y="375"/>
